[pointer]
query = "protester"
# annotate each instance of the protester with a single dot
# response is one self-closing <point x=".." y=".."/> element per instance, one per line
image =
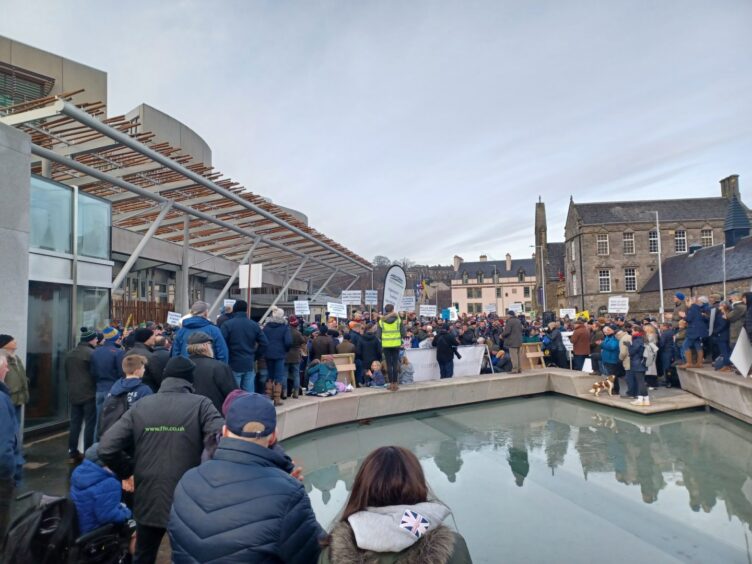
<point x="666" y="354"/>
<point x="279" y="339"/>
<point x="199" y="321"/>
<point x="609" y="352"/>
<point x="512" y="337"/>
<point x="390" y="517"/>
<point x="368" y="348"/>
<point x="556" y="346"/>
<point x="626" y="383"/>
<point x="16" y="380"/>
<point x="346" y="346"/>
<point x="650" y="339"/>
<point x="143" y="340"/>
<point x="245" y="341"/>
<point x="697" y="329"/>
<point x="156" y="442"/>
<point x="125" y="392"/>
<point x="212" y="379"/>
<point x="243" y="505"/>
<point x="734" y="314"/>
<point x="390" y="332"/>
<point x="105" y="366"/>
<point x="407" y="371"/>
<point x="323" y="344"/>
<point x="227" y="312"/>
<point x="82" y="393"/>
<point x="11" y="460"/>
<point x="446" y="349"/>
<point x="501" y="362"/>
<point x="680" y="309"/>
<point x="159" y="357"/>
<point x="596" y="338"/>
<point x="580" y="339"/>
<point x="293" y="358"/>
<point x="638" y="368"/>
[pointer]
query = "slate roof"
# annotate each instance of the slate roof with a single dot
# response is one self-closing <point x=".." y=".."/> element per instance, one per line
<point x="736" y="217"/>
<point x="487" y="268"/>
<point x="555" y="253"/>
<point x="687" y="209"/>
<point x="704" y="267"/>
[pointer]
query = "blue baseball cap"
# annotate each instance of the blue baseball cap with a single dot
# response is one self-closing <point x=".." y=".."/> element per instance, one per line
<point x="253" y="408"/>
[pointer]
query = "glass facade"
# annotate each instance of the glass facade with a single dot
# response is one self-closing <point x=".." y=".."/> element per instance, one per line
<point x="93" y="227"/>
<point x="92" y="307"/>
<point x="51" y="216"/>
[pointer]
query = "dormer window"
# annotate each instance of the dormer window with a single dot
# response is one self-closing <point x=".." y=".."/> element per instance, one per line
<point x="480" y="278"/>
<point x="521" y="276"/>
<point x="464" y="277"/>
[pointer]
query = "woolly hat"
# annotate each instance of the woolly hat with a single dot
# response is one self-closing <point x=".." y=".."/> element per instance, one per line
<point x="278" y="314"/>
<point x="5" y="339"/>
<point x="142" y="334"/>
<point x="679" y="295"/>
<point x="180" y="367"/>
<point x="87" y="335"/>
<point x="293" y="321"/>
<point x="240" y="305"/>
<point x="92" y="454"/>
<point x="199" y="307"/>
<point x="111" y="334"/>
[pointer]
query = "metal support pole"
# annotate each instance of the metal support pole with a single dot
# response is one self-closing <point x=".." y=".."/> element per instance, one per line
<point x="332" y="275"/>
<point x="231" y="281"/>
<point x="660" y="267"/>
<point x="140" y="247"/>
<point x="185" y="294"/>
<point x="350" y="285"/>
<point x="725" y="296"/>
<point x="283" y="290"/>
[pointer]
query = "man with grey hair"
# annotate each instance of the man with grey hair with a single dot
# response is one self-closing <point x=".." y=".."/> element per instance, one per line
<point x="11" y="460"/>
<point x="199" y="321"/>
<point x="212" y="379"/>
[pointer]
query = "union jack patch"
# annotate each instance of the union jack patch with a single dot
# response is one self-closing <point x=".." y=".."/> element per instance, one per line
<point x="414" y="523"/>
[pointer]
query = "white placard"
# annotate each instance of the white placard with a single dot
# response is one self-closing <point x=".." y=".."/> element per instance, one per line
<point x="427" y="310"/>
<point x="174" y="318"/>
<point x="337" y="310"/>
<point x="229" y="303"/>
<point x="395" y="283"/>
<point x="256" y="275"/>
<point x="618" y="304"/>
<point x="515" y="307"/>
<point x="372" y="297"/>
<point x="407" y="303"/>
<point x="565" y="339"/>
<point x="742" y="355"/>
<point x="453" y="316"/>
<point x="587" y="366"/>
<point x="489" y="308"/>
<point x="352" y="297"/>
<point x="571" y="313"/>
<point x="427" y="367"/>
<point x="301" y="307"/>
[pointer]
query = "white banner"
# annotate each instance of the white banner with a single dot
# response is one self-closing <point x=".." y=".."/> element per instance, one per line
<point x="427" y="310"/>
<point x="515" y="307"/>
<point x="489" y="308"/>
<point x="407" y="303"/>
<point x="254" y="276"/>
<point x="427" y="367"/>
<point x="565" y="339"/>
<point x="174" y="318"/>
<point x="395" y="282"/>
<point x="618" y="304"/>
<point x="453" y="316"/>
<point x="372" y="297"/>
<point x="352" y="297"/>
<point x="742" y="355"/>
<point x="571" y="313"/>
<point x="337" y="310"/>
<point x="229" y="303"/>
<point x="302" y="307"/>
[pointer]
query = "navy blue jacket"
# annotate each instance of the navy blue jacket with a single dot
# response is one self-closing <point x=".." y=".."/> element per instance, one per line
<point x="96" y="493"/>
<point x="11" y="460"/>
<point x="134" y="387"/>
<point x="105" y="365"/>
<point x="697" y="323"/>
<point x="193" y="325"/>
<point x="636" y="352"/>
<point x="242" y="336"/>
<point x="280" y="340"/>
<point x="242" y="506"/>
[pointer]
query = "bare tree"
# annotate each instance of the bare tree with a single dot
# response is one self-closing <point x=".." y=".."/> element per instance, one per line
<point x="405" y="262"/>
<point x="380" y="260"/>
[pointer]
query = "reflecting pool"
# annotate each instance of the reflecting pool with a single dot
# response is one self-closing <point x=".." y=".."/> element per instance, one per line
<point x="551" y="479"/>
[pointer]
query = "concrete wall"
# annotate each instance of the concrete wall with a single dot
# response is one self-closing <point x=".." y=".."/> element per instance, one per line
<point x="15" y="151"/>
<point x="725" y="391"/>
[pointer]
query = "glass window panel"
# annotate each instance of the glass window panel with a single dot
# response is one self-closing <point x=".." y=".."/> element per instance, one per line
<point x="93" y="227"/>
<point x="653" y="242"/>
<point x="602" y="244"/>
<point x="629" y="247"/>
<point x="630" y="280"/>
<point x="51" y="216"/>
<point x="680" y="241"/>
<point x="92" y="308"/>
<point x="604" y="280"/>
<point x="706" y="237"/>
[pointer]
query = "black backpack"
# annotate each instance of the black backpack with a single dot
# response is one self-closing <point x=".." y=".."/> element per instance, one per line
<point x="112" y="410"/>
<point x="43" y="530"/>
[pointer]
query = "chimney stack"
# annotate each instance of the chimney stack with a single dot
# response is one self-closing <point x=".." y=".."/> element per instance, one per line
<point x="483" y="258"/>
<point x="509" y="262"/>
<point x="457" y="262"/>
<point x="730" y="187"/>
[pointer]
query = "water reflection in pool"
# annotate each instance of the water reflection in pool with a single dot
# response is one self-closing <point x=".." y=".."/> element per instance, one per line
<point x="553" y="479"/>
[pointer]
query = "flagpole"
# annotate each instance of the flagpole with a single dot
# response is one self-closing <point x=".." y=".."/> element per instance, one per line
<point x="660" y="267"/>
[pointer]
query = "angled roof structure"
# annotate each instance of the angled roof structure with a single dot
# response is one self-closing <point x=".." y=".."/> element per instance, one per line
<point x="490" y="267"/>
<point x="686" y="209"/>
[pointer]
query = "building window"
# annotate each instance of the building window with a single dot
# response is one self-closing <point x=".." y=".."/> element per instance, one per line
<point x="572" y="253"/>
<point x="680" y="241"/>
<point x="601" y="244"/>
<point x="630" y="279"/>
<point x="653" y="242"/>
<point x="574" y="284"/>
<point x="514" y="290"/>
<point x="498" y="292"/>
<point x="473" y="293"/>
<point x="706" y="237"/>
<point x="526" y="291"/>
<point x="51" y="216"/>
<point x="464" y="277"/>
<point x="474" y="308"/>
<point x="521" y="276"/>
<point x="93" y="227"/>
<point x="496" y="278"/>
<point x="629" y="243"/>
<point x="604" y="281"/>
<point x="480" y="278"/>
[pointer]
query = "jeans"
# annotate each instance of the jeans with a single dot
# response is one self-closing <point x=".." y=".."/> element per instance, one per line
<point x="276" y="368"/>
<point x="293" y="373"/>
<point x="359" y="371"/>
<point x="245" y="380"/>
<point x="101" y="396"/>
<point x="578" y="361"/>
<point x="724" y="350"/>
<point x="261" y="378"/>
<point x="691" y="344"/>
<point x="446" y="369"/>
<point x="148" y="540"/>
<point x="640" y="386"/>
<point x="391" y="355"/>
<point x="632" y="383"/>
<point x="595" y="363"/>
<point x="86" y="414"/>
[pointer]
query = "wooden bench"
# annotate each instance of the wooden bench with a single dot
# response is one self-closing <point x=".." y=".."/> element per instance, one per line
<point x="534" y="356"/>
<point x="345" y="364"/>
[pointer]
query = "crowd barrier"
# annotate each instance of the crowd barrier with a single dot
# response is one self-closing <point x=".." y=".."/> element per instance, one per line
<point x="427" y="367"/>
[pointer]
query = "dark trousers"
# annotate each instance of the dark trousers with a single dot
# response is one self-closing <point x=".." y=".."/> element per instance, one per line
<point x="595" y="362"/>
<point x="640" y="383"/>
<point x="86" y="414"/>
<point x="724" y="350"/>
<point x="632" y="383"/>
<point x="148" y="540"/>
<point x="391" y="355"/>
<point x="446" y="369"/>
<point x="7" y="493"/>
<point x="578" y="361"/>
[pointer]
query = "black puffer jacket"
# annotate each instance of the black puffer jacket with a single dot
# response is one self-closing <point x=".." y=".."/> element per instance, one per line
<point x="242" y="506"/>
<point x="368" y="349"/>
<point x="212" y="379"/>
<point x="82" y="386"/>
<point x="446" y="345"/>
<point x="165" y="432"/>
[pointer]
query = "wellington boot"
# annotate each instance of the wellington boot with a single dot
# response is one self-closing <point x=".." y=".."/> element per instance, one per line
<point x="689" y="363"/>
<point x="277" y="394"/>
<point x="268" y="389"/>
<point x="700" y="358"/>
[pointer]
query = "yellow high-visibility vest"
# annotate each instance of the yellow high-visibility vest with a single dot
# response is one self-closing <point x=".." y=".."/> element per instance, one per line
<point x="390" y="333"/>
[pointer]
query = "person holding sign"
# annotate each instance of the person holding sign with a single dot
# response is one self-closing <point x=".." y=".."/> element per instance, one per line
<point x="390" y="332"/>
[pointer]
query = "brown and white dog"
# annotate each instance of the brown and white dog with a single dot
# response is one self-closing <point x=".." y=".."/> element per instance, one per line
<point x="605" y="384"/>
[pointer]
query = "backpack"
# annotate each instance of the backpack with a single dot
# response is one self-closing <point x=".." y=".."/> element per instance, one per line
<point x="43" y="530"/>
<point x="113" y="409"/>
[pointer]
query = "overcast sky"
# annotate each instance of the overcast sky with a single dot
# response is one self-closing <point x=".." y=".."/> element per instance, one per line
<point x="428" y="129"/>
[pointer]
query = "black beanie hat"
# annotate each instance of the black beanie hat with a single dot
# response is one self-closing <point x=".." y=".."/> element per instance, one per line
<point x="4" y="340"/>
<point x="180" y="367"/>
<point x="240" y="305"/>
<point x="142" y="334"/>
<point x="87" y="335"/>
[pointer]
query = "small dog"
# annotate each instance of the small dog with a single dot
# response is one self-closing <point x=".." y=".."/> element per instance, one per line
<point x="605" y="384"/>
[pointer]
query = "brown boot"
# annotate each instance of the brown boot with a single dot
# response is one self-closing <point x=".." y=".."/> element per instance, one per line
<point x="277" y="394"/>
<point x="689" y="363"/>
<point x="700" y="358"/>
<point x="295" y="393"/>
<point x="395" y="387"/>
<point x="268" y="389"/>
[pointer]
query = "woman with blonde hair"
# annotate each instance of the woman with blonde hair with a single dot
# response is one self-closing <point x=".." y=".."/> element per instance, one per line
<point x="388" y="517"/>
